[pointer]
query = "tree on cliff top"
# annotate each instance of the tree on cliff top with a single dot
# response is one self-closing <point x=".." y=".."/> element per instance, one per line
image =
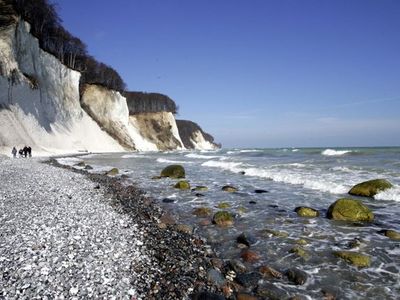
<point x="139" y="102"/>
<point x="46" y="25"/>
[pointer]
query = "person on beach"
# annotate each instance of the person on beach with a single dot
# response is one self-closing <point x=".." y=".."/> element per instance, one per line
<point x="14" y="152"/>
<point x="21" y="152"/>
<point x="25" y="150"/>
<point x="29" y="151"/>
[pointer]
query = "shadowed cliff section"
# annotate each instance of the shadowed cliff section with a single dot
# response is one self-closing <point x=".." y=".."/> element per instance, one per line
<point x="193" y="136"/>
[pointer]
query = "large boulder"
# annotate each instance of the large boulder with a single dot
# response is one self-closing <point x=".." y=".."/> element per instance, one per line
<point x="370" y="188"/>
<point x="173" y="171"/>
<point x="349" y="210"/>
<point x="354" y="258"/>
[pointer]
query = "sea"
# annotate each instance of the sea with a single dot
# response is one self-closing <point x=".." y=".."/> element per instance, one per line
<point x="291" y="177"/>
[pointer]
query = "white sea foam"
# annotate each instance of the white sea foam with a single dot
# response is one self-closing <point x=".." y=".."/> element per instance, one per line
<point x="199" y="156"/>
<point x="225" y="165"/>
<point x="332" y="152"/>
<point x="295" y="150"/>
<point x="131" y="156"/>
<point x="170" y="161"/>
<point x="249" y="150"/>
<point x="389" y="194"/>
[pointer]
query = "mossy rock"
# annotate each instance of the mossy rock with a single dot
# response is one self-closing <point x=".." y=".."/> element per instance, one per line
<point x="370" y="188"/>
<point x="276" y="233"/>
<point x="350" y="210"/>
<point x="113" y="172"/>
<point x="182" y="185"/>
<point x="299" y="251"/>
<point x="229" y="188"/>
<point x="223" y="218"/>
<point x="354" y="258"/>
<point x="394" y="235"/>
<point x="202" y="211"/>
<point x="301" y="242"/>
<point x="200" y="188"/>
<point x="173" y="171"/>
<point x="306" y="212"/>
<point x="223" y="205"/>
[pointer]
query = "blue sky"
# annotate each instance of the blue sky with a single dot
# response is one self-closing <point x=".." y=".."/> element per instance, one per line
<point x="258" y="73"/>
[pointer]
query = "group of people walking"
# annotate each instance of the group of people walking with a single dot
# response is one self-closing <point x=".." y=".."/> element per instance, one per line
<point x="24" y="152"/>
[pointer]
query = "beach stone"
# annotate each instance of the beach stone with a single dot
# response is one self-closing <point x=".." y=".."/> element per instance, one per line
<point x="215" y="277"/>
<point x="247" y="239"/>
<point x="271" y="292"/>
<point x="252" y="202"/>
<point x="306" y="212"/>
<point x="182" y="185"/>
<point x="296" y="276"/>
<point x="184" y="228"/>
<point x="223" y="218"/>
<point x="354" y="258"/>
<point x="202" y="212"/>
<point x="223" y="205"/>
<point x="250" y="256"/>
<point x="199" y="195"/>
<point x="207" y="296"/>
<point x="269" y="272"/>
<point x="260" y="191"/>
<point x="230" y="189"/>
<point x="237" y="266"/>
<point x="370" y="188"/>
<point x="88" y="167"/>
<point x="112" y="172"/>
<point x="80" y="164"/>
<point x="200" y="188"/>
<point x="299" y="251"/>
<point x="242" y="172"/>
<point x="349" y="210"/>
<point x="168" y="200"/>
<point x="243" y="296"/>
<point x="276" y="233"/>
<point x="301" y="242"/>
<point x="173" y="171"/>
<point x="248" y="279"/>
<point x="394" y="235"/>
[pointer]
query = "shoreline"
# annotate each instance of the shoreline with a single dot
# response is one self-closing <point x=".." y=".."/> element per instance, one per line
<point x="176" y="263"/>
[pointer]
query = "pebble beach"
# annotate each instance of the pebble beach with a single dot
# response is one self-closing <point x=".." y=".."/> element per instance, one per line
<point x="70" y="235"/>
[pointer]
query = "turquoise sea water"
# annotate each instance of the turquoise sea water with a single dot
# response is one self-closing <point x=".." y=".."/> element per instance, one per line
<point x="314" y="177"/>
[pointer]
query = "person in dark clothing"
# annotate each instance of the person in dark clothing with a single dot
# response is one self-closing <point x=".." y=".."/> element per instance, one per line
<point x="14" y="152"/>
<point x="25" y="150"/>
<point x="29" y="151"/>
<point x="21" y="152"/>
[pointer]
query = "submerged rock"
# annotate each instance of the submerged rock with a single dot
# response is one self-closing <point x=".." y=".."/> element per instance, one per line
<point x="202" y="211"/>
<point x="354" y="258"/>
<point x="223" y="218"/>
<point x="260" y="191"/>
<point x="269" y="272"/>
<point x="207" y="296"/>
<point x="215" y="277"/>
<point x="184" y="228"/>
<point x="182" y="185"/>
<point x="250" y="256"/>
<point x="168" y="200"/>
<point x="271" y="292"/>
<point x="230" y="189"/>
<point x="370" y="188"/>
<point x="223" y="205"/>
<point x="306" y="212"/>
<point x="297" y="276"/>
<point x="248" y="279"/>
<point x="173" y="171"/>
<point x="237" y="266"/>
<point x="349" y="210"/>
<point x="269" y="232"/>
<point x="394" y="235"/>
<point x="200" y="188"/>
<point x="299" y="251"/>
<point x="112" y="172"/>
<point x="247" y="239"/>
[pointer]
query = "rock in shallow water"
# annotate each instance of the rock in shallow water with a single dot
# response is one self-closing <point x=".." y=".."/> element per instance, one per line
<point x="370" y="188"/>
<point x="247" y="239"/>
<point x="394" y="235"/>
<point x="248" y="279"/>
<point x="207" y="296"/>
<point x="297" y="276"/>
<point x="349" y="210"/>
<point x="306" y="212"/>
<point x="173" y="171"/>
<point x="182" y="185"/>
<point x="230" y="189"/>
<point x="354" y="258"/>
<point x="202" y="212"/>
<point x="223" y="218"/>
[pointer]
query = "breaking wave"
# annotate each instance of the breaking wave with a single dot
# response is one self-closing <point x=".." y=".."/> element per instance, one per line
<point x="199" y="156"/>
<point x="332" y="152"/>
<point x="389" y="194"/>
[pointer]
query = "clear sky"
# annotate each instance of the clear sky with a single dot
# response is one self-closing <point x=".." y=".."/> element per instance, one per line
<point x="258" y="73"/>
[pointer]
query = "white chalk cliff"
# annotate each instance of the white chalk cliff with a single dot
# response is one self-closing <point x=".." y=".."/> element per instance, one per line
<point x="40" y="106"/>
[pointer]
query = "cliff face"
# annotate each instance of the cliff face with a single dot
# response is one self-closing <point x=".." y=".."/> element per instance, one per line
<point x="193" y="137"/>
<point x="39" y="98"/>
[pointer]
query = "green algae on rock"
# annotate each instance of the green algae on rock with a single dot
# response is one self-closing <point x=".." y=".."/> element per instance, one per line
<point x="354" y="258"/>
<point x="393" y="235"/>
<point x="112" y="172"/>
<point x="200" y="188"/>
<point x="230" y="189"/>
<point x="349" y="210"/>
<point x="223" y="205"/>
<point x="306" y="212"/>
<point x="202" y="211"/>
<point x="223" y="218"/>
<point x="173" y="171"/>
<point x="299" y="251"/>
<point x="270" y="232"/>
<point x="370" y="188"/>
<point x="182" y="185"/>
